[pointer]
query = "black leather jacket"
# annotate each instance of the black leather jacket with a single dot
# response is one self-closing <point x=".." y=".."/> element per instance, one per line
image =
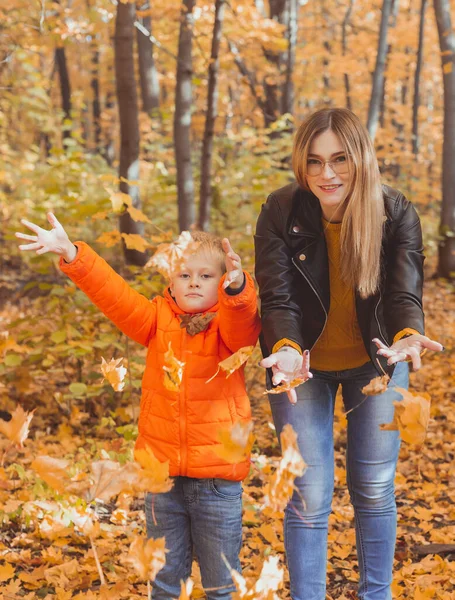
<point x="293" y="273"/>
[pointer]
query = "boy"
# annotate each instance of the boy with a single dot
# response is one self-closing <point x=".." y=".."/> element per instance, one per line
<point x="204" y="508"/>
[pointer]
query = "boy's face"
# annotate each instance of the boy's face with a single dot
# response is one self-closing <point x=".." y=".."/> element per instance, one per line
<point x="195" y="287"/>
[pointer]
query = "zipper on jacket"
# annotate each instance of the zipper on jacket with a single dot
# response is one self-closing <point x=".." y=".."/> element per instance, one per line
<point x="182" y="412"/>
<point x="318" y="297"/>
<point x="384" y="339"/>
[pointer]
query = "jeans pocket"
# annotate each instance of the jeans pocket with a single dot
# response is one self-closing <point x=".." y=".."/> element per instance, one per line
<point x="226" y="489"/>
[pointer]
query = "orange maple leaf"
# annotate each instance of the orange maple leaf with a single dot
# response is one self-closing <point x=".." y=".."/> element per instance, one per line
<point x="233" y="362"/>
<point x="173" y="371"/>
<point x="186" y="589"/>
<point x="376" y="386"/>
<point x="411" y="416"/>
<point x="278" y="491"/>
<point x="17" y="429"/>
<point x="148" y="557"/>
<point x="286" y="387"/>
<point x="114" y="372"/>
<point x="236" y="442"/>
<point x="265" y="587"/>
<point x="154" y="475"/>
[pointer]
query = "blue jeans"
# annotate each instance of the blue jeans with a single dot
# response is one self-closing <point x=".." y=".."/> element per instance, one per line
<point x="371" y="459"/>
<point x="204" y="515"/>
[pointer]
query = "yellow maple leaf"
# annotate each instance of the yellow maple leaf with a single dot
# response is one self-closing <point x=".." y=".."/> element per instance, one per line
<point x="17" y="429"/>
<point x="154" y="475"/>
<point x="134" y="241"/>
<point x="138" y="215"/>
<point x="114" y="373"/>
<point x="233" y="362"/>
<point x="6" y="572"/>
<point x="119" y="201"/>
<point x="411" y="416"/>
<point x="173" y="371"/>
<point x="236" y="442"/>
<point x="148" y="557"/>
<point x="279" y="489"/>
<point x="376" y="386"/>
<point x="169" y="258"/>
<point x="286" y="387"/>
<point x="109" y="238"/>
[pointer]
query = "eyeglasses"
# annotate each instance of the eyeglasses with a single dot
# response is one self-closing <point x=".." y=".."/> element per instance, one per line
<point x="339" y="165"/>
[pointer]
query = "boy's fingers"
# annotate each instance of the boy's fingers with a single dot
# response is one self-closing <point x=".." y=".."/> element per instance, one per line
<point x="226" y="245"/>
<point x="42" y="250"/>
<point x="25" y="236"/>
<point x="52" y="219"/>
<point x="30" y="225"/>
<point x="30" y="246"/>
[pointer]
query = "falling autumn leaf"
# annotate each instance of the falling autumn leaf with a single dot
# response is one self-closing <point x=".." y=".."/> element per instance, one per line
<point x="119" y="200"/>
<point x="186" y="589"/>
<point x="376" y="386"/>
<point x="173" y="371"/>
<point x="148" y="557"/>
<point x="138" y="215"/>
<point x="134" y="241"/>
<point x="17" y="429"/>
<point x="169" y="258"/>
<point x="236" y="442"/>
<point x="154" y="475"/>
<point x="411" y="416"/>
<point x="114" y="373"/>
<point x="280" y="487"/>
<point x="286" y="387"/>
<point x="110" y="479"/>
<point x="233" y="362"/>
<point x="265" y="587"/>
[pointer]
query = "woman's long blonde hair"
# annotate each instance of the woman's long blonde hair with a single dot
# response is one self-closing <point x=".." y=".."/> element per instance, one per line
<point x="363" y="220"/>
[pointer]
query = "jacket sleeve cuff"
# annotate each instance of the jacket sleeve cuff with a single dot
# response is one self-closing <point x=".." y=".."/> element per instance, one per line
<point x="234" y="291"/>
<point x="405" y="333"/>
<point x="286" y="342"/>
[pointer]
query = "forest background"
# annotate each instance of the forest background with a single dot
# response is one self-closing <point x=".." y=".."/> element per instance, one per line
<point x="132" y="122"/>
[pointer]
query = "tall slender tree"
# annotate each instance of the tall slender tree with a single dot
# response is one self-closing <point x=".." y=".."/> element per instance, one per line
<point x="211" y="114"/>
<point x="344" y="47"/>
<point x="182" y="117"/>
<point x="287" y="97"/>
<point x="65" y="88"/>
<point x="129" y="124"/>
<point x="418" y="71"/>
<point x="446" y="263"/>
<point x="148" y="74"/>
<point x="378" y="75"/>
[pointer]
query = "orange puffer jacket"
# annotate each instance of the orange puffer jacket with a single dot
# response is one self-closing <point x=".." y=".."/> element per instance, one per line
<point x="182" y="427"/>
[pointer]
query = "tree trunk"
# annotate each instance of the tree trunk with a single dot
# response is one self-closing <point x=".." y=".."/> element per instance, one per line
<point x="150" y="87"/>
<point x="378" y="75"/>
<point x="96" y="104"/>
<point x="129" y="125"/>
<point x="446" y="264"/>
<point x="344" y="47"/>
<point x="418" y="71"/>
<point x="182" y="118"/>
<point x="212" y="101"/>
<point x="65" y="89"/>
<point x="287" y="101"/>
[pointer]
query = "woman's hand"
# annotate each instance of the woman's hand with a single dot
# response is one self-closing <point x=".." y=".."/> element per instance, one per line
<point x="288" y="364"/>
<point x="56" y="240"/>
<point x="234" y="273"/>
<point x="409" y="348"/>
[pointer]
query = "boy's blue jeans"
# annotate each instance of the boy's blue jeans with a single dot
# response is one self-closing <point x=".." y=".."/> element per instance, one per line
<point x="200" y="514"/>
<point x="371" y="459"/>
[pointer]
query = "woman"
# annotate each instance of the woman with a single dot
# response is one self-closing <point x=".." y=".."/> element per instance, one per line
<point x="339" y="265"/>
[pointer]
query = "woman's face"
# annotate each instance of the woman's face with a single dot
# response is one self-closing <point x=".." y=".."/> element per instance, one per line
<point x="331" y="186"/>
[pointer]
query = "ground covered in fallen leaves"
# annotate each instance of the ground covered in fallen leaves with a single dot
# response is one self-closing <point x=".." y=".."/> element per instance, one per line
<point x="46" y="552"/>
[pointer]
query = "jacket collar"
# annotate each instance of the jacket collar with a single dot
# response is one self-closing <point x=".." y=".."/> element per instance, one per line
<point x="305" y="218"/>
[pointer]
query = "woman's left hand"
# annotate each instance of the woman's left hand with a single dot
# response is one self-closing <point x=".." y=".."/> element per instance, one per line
<point x="409" y="348"/>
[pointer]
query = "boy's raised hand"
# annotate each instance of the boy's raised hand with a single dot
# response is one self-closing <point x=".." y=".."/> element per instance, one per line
<point x="56" y="240"/>
<point x="234" y="272"/>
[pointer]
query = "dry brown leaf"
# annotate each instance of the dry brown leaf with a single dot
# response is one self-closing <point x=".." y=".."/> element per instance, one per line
<point x="376" y="386"/>
<point x="411" y="416"/>
<point x="233" y="362"/>
<point x="278" y="491"/>
<point x="286" y="387"/>
<point x="148" y="557"/>
<point x="196" y="322"/>
<point x="17" y="429"/>
<point x="154" y="475"/>
<point x="265" y="587"/>
<point x="169" y="258"/>
<point x="173" y="371"/>
<point x="236" y="442"/>
<point x="111" y="479"/>
<point x="114" y="372"/>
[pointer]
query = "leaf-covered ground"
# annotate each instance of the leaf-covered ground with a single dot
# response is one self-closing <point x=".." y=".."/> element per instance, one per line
<point x="42" y="554"/>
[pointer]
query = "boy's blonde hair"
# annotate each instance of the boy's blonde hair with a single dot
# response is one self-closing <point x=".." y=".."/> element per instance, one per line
<point x="363" y="221"/>
<point x="212" y="244"/>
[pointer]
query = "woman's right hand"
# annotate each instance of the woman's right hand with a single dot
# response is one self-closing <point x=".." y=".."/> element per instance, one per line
<point x="56" y="240"/>
<point x="288" y="364"/>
